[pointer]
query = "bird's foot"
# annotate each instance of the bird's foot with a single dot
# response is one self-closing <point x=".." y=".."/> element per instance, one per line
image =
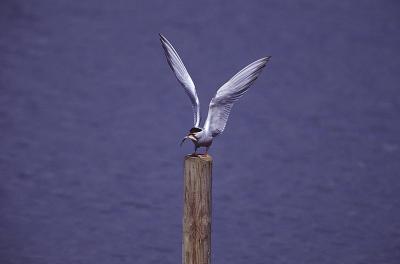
<point x="195" y="154"/>
<point x="202" y="154"/>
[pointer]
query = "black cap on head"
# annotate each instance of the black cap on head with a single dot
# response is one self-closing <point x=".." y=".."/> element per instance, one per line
<point x="195" y="130"/>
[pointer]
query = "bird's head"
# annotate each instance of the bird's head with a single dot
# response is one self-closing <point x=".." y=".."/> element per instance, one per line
<point x="193" y="135"/>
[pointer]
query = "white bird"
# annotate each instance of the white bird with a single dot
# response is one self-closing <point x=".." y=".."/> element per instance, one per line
<point x="220" y="105"/>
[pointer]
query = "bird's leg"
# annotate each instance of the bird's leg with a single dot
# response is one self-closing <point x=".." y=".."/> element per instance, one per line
<point x="207" y="150"/>
<point x="195" y="150"/>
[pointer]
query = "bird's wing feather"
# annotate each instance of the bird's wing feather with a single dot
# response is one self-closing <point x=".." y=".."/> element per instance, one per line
<point x="230" y="92"/>
<point x="183" y="77"/>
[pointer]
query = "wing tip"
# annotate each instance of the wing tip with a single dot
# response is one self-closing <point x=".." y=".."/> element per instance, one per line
<point x="163" y="39"/>
<point x="265" y="59"/>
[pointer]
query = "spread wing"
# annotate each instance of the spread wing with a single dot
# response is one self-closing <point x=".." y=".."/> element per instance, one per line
<point x="183" y="77"/>
<point x="229" y="93"/>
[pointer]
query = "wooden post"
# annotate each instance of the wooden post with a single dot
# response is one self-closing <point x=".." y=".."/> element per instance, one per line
<point x="196" y="248"/>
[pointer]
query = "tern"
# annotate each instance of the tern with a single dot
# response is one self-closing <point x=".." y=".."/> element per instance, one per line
<point x="220" y="105"/>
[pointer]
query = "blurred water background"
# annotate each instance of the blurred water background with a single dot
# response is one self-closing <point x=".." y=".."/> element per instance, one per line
<point x="91" y="116"/>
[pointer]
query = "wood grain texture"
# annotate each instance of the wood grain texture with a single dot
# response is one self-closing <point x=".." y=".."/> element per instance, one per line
<point x="196" y="248"/>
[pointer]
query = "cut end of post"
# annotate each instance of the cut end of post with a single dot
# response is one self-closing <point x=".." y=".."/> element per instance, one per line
<point x="202" y="157"/>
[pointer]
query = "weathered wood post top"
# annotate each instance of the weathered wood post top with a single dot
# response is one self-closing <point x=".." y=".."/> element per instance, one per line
<point x="196" y="244"/>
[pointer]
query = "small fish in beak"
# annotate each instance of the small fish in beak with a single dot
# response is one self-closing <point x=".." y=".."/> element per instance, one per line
<point x="191" y="137"/>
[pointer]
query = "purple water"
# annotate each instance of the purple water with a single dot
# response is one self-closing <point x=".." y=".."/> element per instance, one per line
<point x="91" y="118"/>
